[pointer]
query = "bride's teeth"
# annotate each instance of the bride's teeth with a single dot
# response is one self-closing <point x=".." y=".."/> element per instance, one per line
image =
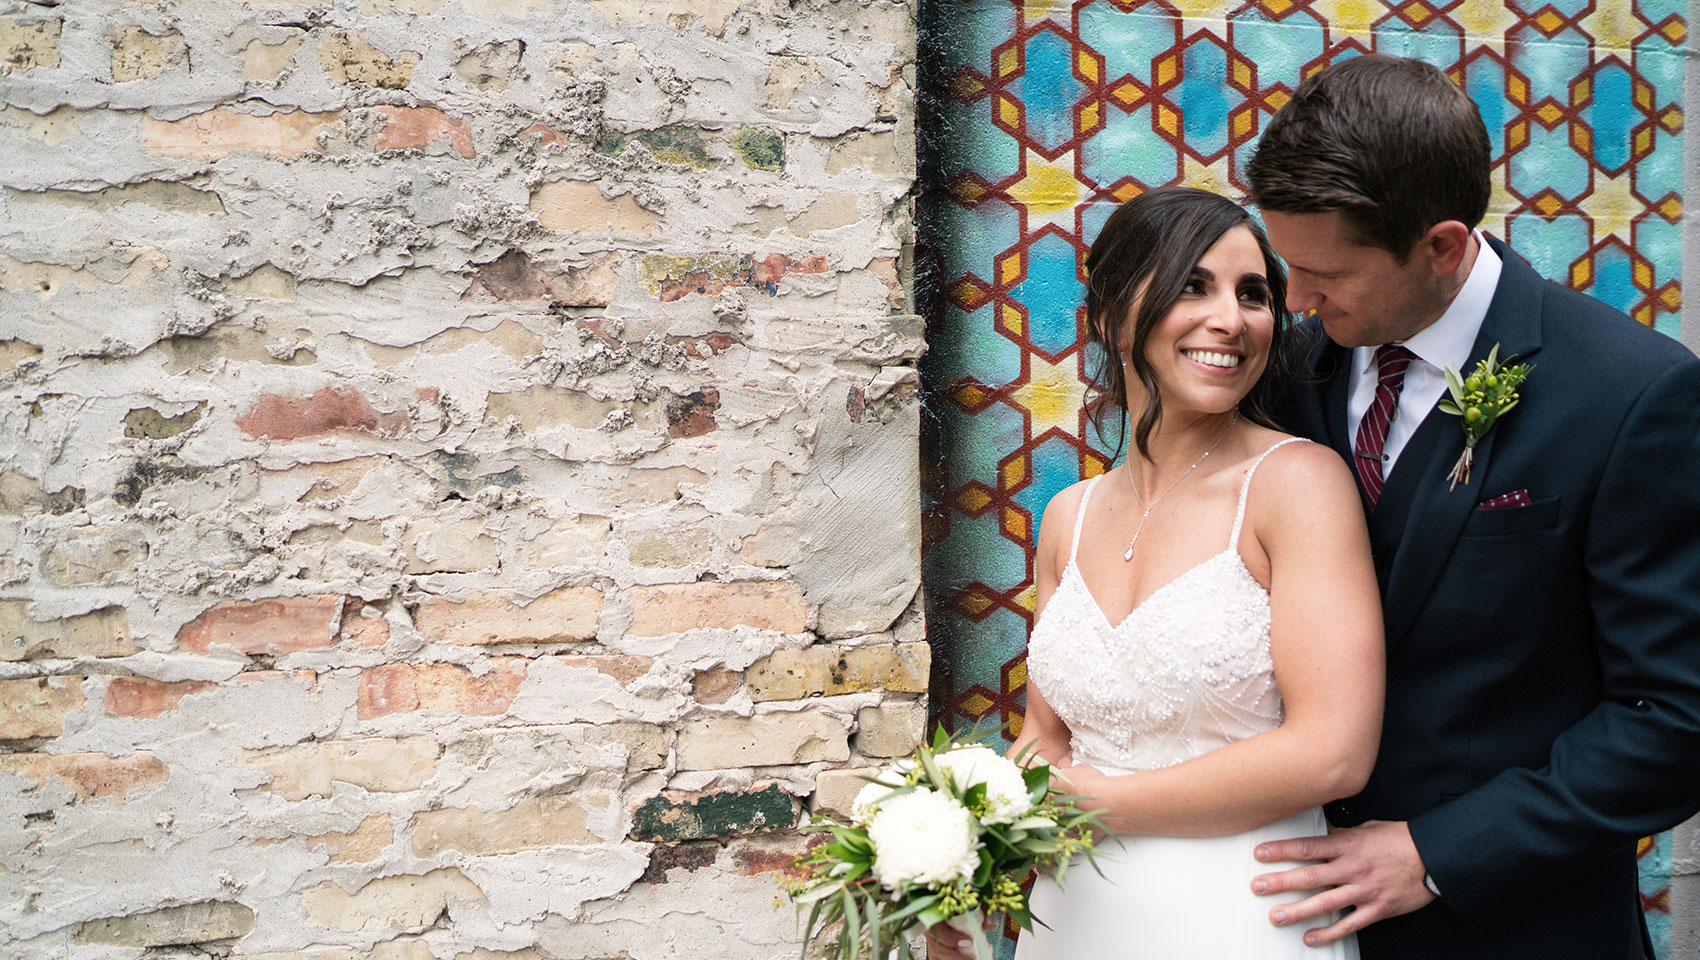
<point x="1214" y="359"/>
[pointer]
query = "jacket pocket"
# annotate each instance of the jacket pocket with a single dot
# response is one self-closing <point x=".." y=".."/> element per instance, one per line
<point x="1538" y="515"/>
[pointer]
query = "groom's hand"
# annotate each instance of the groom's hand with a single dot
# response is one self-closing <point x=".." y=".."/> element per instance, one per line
<point x="1374" y="869"/>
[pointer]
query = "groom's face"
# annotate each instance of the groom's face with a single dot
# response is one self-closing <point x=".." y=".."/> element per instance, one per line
<point x="1363" y="295"/>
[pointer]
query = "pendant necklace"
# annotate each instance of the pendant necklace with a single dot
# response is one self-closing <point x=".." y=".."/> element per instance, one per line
<point x="1135" y="484"/>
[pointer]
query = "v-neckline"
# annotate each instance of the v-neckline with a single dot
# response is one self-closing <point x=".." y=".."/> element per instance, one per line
<point x="1074" y="565"/>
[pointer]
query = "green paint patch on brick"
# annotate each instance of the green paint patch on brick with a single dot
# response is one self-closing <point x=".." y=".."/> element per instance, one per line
<point x="763" y="148"/>
<point x="729" y="813"/>
<point x="675" y="144"/>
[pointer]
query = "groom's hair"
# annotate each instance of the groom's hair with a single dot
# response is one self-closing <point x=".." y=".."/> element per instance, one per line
<point x="1391" y="144"/>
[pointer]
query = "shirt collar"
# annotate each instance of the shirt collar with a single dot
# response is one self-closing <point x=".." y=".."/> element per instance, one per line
<point x="1446" y="343"/>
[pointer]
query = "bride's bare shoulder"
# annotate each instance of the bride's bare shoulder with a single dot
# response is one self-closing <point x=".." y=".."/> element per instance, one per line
<point x="1303" y="477"/>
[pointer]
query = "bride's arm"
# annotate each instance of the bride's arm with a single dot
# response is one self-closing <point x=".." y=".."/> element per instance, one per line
<point x="1326" y="640"/>
<point x="1040" y="726"/>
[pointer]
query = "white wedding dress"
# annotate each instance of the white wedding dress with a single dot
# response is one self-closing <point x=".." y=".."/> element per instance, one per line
<point x="1187" y="671"/>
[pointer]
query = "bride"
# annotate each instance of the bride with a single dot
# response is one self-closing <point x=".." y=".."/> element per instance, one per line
<point x="1206" y="662"/>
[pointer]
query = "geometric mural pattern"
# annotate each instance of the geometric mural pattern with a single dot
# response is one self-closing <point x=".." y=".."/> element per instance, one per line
<point x="1040" y="116"/>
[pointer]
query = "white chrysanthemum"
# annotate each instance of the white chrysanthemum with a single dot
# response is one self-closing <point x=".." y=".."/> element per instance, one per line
<point x="1006" y="792"/>
<point x="923" y="837"/>
<point x="869" y="797"/>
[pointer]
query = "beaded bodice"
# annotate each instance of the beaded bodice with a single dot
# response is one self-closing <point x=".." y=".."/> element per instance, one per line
<point x="1187" y="671"/>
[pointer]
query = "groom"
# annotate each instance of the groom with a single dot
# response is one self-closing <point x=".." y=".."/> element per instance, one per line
<point x="1543" y="617"/>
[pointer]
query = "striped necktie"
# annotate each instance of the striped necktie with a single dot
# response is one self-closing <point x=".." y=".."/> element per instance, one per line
<point x="1390" y="363"/>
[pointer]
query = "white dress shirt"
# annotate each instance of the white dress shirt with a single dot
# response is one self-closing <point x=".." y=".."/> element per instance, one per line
<point x="1443" y="343"/>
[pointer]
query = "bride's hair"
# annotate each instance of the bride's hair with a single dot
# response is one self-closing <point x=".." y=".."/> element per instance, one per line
<point x="1140" y="262"/>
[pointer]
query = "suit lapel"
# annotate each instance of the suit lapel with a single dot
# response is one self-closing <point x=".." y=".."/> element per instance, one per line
<point x="1428" y="516"/>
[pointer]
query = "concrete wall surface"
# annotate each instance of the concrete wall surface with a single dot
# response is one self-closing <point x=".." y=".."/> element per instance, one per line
<point x="457" y="469"/>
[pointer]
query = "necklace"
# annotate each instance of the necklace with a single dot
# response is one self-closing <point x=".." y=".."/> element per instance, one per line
<point x="1135" y="484"/>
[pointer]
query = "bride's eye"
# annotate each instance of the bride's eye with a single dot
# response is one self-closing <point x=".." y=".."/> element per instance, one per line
<point x="1255" y="293"/>
<point x="1194" y="286"/>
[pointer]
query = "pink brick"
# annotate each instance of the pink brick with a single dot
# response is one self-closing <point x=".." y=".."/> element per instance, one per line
<point x="441" y="687"/>
<point x="146" y="697"/>
<point x="282" y="625"/>
<point x="407" y="127"/>
<point x="327" y="411"/>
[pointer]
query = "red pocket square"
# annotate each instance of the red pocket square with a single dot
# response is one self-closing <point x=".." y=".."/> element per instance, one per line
<point x="1506" y="501"/>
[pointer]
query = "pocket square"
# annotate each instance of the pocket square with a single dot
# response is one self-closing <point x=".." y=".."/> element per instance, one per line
<point x="1506" y="501"/>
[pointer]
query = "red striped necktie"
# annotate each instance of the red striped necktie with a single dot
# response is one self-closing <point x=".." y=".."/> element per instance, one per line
<point x="1390" y="363"/>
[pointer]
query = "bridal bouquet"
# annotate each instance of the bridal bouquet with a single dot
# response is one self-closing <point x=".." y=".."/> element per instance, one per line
<point x="946" y="835"/>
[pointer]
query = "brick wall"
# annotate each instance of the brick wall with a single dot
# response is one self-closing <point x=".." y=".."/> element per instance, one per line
<point x="457" y="469"/>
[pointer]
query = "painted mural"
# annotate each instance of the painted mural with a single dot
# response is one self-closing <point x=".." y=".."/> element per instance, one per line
<point x="1041" y="115"/>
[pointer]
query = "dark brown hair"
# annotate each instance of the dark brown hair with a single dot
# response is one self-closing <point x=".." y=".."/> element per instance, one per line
<point x="1391" y="144"/>
<point x="1139" y="264"/>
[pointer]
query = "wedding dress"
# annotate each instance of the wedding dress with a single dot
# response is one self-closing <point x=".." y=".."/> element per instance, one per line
<point x="1187" y="671"/>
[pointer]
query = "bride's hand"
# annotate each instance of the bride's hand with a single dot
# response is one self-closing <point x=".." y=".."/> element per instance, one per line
<point x="943" y="943"/>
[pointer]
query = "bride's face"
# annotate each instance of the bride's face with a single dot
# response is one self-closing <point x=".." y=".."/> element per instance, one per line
<point x="1212" y="345"/>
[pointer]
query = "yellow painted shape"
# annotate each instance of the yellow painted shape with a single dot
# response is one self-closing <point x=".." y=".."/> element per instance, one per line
<point x="1009" y="61"/>
<point x="1517" y="89"/>
<point x="1581" y="137"/>
<point x="1009" y="268"/>
<point x="1168" y="120"/>
<point x="1671" y="209"/>
<point x="1672" y="297"/>
<point x="1027" y="599"/>
<point x="1015" y="523"/>
<point x="1009" y="111"/>
<point x="1052" y="395"/>
<point x="1166" y="69"/>
<point x="1583" y="89"/>
<point x="1013" y="321"/>
<point x="1012" y="473"/>
<point x="1549" y="114"/>
<point x="973" y="500"/>
<point x="1613" y="26"/>
<point x="1582" y="273"/>
<point x="1087" y="65"/>
<point x="1047" y="188"/>
<point x="1643" y="275"/>
<point x="1089" y="119"/>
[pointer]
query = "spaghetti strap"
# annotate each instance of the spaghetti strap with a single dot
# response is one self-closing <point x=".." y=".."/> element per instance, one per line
<point x="1245" y="488"/>
<point x="1080" y="516"/>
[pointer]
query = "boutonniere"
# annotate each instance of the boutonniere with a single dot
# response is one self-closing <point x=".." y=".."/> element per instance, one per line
<point x="1479" y="400"/>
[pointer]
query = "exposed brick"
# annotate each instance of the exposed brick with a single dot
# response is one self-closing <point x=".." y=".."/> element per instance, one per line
<point x="764" y="740"/>
<point x="566" y="614"/>
<point x="824" y="670"/>
<point x="775" y="854"/>
<point x="89" y="774"/>
<point x="148" y="698"/>
<point x="327" y="411"/>
<point x="29" y="43"/>
<point x="364" y="844"/>
<point x="442" y="687"/>
<point x="37" y="707"/>
<point x="674" y="608"/>
<point x="674" y="277"/>
<point x="350" y="59"/>
<point x="890" y="729"/>
<point x="578" y="206"/>
<point x="690" y="857"/>
<point x="406" y="903"/>
<point x="221" y="131"/>
<point x="692" y="415"/>
<point x="139" y="55"/>
<point x="624" y="669"/>
<point x="409" y="127"/>
<point x="675" y="815"/>
<point x="717" y="685"/>
<point x="363" y="625"/>
<point x="835" y="790"/>
<point x="191" y="923"/>
<point x="265" y="62"/>
<point x="103" y="633"/>
<point x="282" y="625"/>
<point x="530" y="823"/>
<point x="378" y="765"/>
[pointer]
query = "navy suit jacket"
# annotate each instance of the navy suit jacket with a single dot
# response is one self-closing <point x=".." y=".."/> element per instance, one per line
<point x="1543" y="662"/>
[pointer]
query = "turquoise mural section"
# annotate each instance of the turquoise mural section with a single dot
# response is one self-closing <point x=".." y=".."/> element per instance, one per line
<point x="1040" y="116"/>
